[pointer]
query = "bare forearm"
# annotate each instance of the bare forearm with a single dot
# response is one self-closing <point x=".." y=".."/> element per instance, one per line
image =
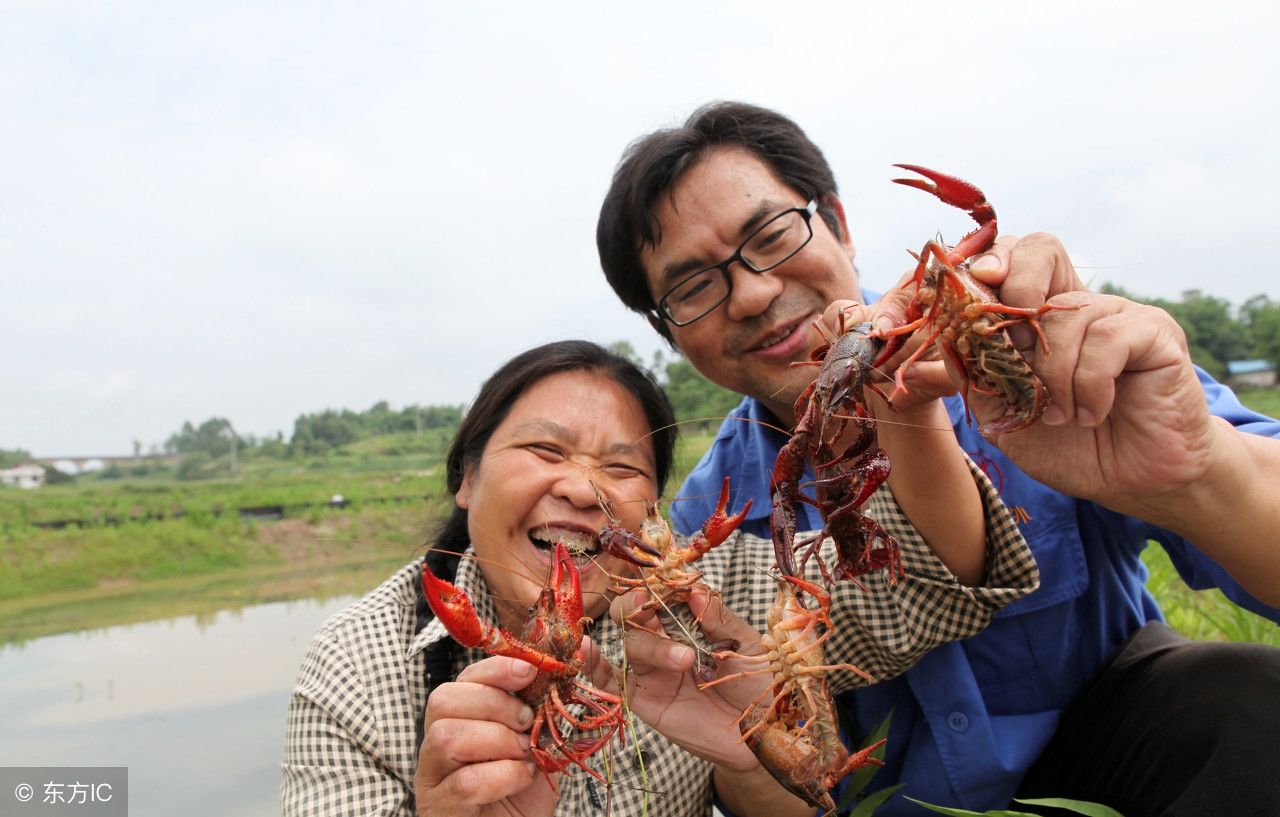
<point x="748" y="794"/>
<point x="1233" y="512"/>
<point x="930" y="479"/>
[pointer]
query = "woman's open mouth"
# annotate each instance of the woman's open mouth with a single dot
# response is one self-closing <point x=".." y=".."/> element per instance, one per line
<point x="581" y="544"/>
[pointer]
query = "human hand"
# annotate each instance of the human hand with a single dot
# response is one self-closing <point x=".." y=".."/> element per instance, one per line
<point x="475" y="758"/>
<point x="662" y="692"/>
<point x="1127" y="425"/>
<point x="926" y="380"/>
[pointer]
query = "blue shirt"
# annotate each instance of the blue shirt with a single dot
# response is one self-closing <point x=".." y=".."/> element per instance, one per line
<point x="972" y="716"/>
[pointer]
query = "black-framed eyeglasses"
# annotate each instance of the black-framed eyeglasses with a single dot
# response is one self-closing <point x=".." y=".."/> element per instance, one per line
<point x="770" y="245"/>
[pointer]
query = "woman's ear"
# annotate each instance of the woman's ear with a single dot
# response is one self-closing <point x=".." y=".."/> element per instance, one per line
<point x="463" y="498"/>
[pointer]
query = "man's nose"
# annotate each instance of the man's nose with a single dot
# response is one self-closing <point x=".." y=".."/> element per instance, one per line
<point x="752" y="292"/>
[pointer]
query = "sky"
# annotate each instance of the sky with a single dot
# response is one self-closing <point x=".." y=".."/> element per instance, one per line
<point x="255" y="210"/>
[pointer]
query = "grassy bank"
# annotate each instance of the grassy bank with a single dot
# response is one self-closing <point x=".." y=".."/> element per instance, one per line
<point x="145" y="549"/>
<point x="103" y="576"/>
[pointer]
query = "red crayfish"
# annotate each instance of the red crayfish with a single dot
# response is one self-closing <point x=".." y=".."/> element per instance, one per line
<point x="845" y="480"/>
<point x="963" y="317"/>
<point x="551" y="641"/>
<point x="667" y="574"/>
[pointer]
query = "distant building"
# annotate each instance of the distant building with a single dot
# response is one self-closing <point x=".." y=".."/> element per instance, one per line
<point x="1257" y="374"/>
<point x="28" y="475"/>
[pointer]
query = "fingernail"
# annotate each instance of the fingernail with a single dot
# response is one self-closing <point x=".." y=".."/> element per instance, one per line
<point x="1054" y="416"/>
<point x="1086" y="418"/>
<point x="526" y="716"/>
<point x="523" y="669"/>
<point x="678" y="655"/>
<point x="884" y="323"/>
<point x="985" y="263"/>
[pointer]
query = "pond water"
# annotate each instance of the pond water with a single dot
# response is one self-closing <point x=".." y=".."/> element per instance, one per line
<point x="194" y="707"/>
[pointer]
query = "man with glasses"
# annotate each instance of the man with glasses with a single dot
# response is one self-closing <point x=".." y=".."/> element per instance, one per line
<point x="1077" y="690"/>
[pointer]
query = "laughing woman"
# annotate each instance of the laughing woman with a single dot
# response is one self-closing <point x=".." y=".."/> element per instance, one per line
<point x="389" y="716"/>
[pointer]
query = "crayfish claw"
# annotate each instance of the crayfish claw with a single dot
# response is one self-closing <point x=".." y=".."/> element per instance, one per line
<point x="948" y="189"/>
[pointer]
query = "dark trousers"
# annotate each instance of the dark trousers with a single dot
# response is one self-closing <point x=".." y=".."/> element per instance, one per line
<point x="1174" y="728"/>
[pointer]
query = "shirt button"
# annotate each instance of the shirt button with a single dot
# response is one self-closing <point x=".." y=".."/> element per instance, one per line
<point x="958" y="721"/>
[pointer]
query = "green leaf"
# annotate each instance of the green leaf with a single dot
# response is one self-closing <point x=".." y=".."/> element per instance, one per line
<point x="1078" y="806"/>
<point x="960" y="812"/>
<point x="872" y="801"/>
<point x="858" y="780"/>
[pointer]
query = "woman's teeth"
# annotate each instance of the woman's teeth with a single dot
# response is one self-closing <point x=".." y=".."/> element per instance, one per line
<point x="577" y="542"/>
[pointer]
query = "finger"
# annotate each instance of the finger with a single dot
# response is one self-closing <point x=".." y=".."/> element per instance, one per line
<point x="1128" y="338"/>
<point x="931" y="378"/>
<point x="449" y="744"/>
<point x="478" y="702"/>
<point x="992" y="266"/>
<point x="647" y="652"/>
<point x="891" y="309"/>
<point x="1039" y="268"/>
<point x="1065" y="335"/>
<point x="839" y="317"/>
<point x="597" y="667"/>
<point x="630" y="609"/>
<point x="719" y="623"/>
<point x="510" y="674"/>
<point x="479" y="784"/>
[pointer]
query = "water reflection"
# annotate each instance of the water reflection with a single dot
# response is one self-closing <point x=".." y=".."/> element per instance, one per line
<point x="194" y="707"/>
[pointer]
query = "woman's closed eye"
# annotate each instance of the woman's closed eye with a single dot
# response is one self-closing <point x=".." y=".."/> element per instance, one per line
<point x="624" y="470"/>
<point x="547" y="451"/>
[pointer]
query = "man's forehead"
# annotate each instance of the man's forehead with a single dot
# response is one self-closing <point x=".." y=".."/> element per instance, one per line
<point x="721" y="199"/>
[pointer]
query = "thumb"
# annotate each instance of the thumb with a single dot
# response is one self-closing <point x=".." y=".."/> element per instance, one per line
<point x="992" y="266"/>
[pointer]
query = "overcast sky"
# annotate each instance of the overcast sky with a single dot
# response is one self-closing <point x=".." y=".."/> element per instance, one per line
<point x="259" y="209"/>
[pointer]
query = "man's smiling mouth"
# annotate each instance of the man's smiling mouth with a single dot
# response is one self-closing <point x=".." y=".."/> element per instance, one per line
<point x="779" y="338"/>
<point x="782" y="335"/>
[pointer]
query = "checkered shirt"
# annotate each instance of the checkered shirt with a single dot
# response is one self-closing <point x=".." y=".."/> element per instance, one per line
<point x="351" y="738"/>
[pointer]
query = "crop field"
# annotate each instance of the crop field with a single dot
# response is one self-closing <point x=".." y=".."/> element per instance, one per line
<point x="99" y="552"/>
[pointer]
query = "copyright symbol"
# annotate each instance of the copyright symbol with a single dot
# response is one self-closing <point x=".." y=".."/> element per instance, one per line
<point x="23" y="792"/>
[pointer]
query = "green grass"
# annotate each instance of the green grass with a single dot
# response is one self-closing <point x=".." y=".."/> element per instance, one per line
<point x="60" y="581"/>
<point x="1204" y="615"/>
<point x="1263" y="401"/>
<point x="357" y="479"/>
<point x="129" y="557"/>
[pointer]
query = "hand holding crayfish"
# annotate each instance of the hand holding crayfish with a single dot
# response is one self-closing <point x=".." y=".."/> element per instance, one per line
<point x="1128" y="426"/>
<point x="475" y="758"/>
<point x="663" y="692"/>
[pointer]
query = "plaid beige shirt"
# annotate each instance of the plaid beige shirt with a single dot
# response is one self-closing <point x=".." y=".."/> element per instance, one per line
<point x="351" y="738"/>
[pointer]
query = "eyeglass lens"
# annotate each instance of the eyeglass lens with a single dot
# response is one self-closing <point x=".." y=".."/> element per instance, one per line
<point x="777" y="240"/>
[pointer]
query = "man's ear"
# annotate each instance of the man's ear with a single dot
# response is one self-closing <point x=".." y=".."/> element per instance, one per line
<point x="463" y="498"/>
<point x="833" y="203"/>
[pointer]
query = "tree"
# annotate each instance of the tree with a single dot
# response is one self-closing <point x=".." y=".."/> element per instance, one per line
<point x="1213" y="335"/>
<point x="9" y="457"/>
<point x="212" y="437"/>
<point x="694" y="397"/>
<point x="1262" y="315"/>
<point x="623" y="348"/>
